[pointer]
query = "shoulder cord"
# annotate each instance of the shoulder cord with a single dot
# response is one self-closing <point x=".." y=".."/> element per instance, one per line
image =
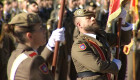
<point x="100" y="53"/>
<point x="15" y="65"/>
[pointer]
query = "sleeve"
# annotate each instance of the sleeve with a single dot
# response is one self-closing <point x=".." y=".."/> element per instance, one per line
<point x="125" y="38"/>
<point x="39" y="70"/>
<point x="88" y="57"/>
<point x="47" y="54"/>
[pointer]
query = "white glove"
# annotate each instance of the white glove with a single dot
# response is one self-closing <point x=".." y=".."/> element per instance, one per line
<point x="118" y="62"/>
<point x="57" y="35"/>
<point x="122" y="15"/>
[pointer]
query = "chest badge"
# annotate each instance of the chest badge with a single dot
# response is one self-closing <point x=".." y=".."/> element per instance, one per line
<point x="82" y="46"/>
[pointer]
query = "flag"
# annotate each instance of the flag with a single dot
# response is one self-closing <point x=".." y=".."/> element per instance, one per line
<point x="114" y="10"/>
<point x="134" y="10"/>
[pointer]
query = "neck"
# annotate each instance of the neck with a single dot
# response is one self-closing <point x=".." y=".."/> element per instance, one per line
<point x="32" y="46"/>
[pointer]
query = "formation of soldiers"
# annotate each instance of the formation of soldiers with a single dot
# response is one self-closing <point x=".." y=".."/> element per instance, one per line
<point x="49" y="11"/>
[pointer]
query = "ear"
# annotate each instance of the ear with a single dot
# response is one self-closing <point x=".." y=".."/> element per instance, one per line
<point x="29" y="35"/>
<point x="78" y="24"/>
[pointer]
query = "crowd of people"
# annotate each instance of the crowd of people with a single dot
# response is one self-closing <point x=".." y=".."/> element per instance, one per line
<point x="28" y="31"/>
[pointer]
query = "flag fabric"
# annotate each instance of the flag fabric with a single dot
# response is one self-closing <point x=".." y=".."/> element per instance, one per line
<point x="134" y="10"/>
<point x="114" y="10"/>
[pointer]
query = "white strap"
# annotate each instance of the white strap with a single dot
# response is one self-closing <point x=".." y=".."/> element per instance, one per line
<point x="15" y="65"/>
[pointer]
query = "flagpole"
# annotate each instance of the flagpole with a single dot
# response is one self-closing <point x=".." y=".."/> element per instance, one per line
<point x="134" y="46"/>
<point x="57" y="42"/>
<point x="134" y="51"/>
<point x="118" y="43"/>
<point x="118" y="39"/>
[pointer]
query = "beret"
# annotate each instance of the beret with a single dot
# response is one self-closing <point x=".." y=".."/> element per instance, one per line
<point x="25" y="19"/>
<point x="83" y="12"/>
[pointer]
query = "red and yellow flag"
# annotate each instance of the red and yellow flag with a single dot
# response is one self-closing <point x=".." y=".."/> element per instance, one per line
<point x="114" y="10"/>
<point x="134" y="10"/>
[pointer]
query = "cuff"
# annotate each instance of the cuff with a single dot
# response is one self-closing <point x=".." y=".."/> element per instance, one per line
<point x="50" y="48"/>
<point x="127" y="27"/>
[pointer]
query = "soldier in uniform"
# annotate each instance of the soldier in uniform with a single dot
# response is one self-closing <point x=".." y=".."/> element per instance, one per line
<point x="91" y="49"/>
<point x="25" y="63"/>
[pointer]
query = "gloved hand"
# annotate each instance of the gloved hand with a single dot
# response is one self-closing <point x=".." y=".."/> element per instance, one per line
<point x="122" y="15"/>
<point x="57" y="35"/>
<point x="118" y="62"/>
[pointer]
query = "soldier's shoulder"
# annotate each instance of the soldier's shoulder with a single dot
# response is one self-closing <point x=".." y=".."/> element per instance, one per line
<point x="80" y="39"/>
<point x="80" y="44"/>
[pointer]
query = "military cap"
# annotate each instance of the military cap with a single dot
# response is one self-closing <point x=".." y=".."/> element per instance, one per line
<point x="25" y="19"/>
<point x="83" y="12"/>
<point x="31" y="2"/>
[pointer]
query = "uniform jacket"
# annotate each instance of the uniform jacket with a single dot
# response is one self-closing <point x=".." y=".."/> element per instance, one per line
<point x="32" y="68"/>
<point x="86" y="57"/>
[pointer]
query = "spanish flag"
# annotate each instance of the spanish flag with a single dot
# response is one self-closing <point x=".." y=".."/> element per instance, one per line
<point x="114" y="10"/>
<point x="134" y="10"/>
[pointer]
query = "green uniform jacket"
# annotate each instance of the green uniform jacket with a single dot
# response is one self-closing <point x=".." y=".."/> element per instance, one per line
<point x="32" y="68"/>
<point x="86" y="57"/>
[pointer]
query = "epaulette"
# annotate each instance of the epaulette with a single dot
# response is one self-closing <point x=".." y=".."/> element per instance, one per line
<point x="33" y="54"/>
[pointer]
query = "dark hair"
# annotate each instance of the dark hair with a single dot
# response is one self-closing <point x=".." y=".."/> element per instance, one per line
<point x="14" y="0"/>
<point x="31" y="2"/>
<point x="19" y="32"/>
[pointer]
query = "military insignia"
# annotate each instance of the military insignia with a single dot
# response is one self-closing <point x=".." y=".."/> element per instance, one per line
<point x="32" y="54"/>
<point x="44" y="68"/>
<point x="82" y="46"/>
<point x="79" y="12"/>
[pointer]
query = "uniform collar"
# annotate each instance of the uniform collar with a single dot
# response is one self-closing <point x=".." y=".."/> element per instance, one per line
<point x="23" y="48"/>
<point x="91" y="35"/>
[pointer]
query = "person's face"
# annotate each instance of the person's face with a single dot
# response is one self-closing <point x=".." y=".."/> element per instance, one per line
<point x="39" y="36"/>
<point x="72" y="4"/>
<point x="82" y="2"/>
<point x="7" y="7"/>
<point x="15" y="4"/>
<point x="92" y="9"/>
<point x="88" y="24"/>
<point x="33" y="7"/>
<point x="50" y="2"/>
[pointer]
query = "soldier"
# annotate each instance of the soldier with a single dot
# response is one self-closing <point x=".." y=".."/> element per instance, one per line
<point x="14" y="10"/>
<point x="25" y="63"/>
<point x="91" y="49"/>
<point x="32" y="7"/>
<point x="46" y="10"/>
<point x="65" y="48"/>
<point x="72" y="4"/>
<point x="24" y="5"/>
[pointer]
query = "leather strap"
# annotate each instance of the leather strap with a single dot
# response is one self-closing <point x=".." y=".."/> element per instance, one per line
<point x="101" y="54"/>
